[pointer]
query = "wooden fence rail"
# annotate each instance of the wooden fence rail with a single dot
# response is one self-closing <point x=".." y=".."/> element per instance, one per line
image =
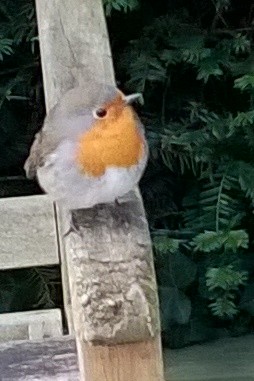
<point x="122" y="314"/>
<point x="119" y="338"/>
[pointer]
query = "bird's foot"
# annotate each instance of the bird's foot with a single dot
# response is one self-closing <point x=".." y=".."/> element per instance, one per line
<point x="120" y="215"/>
<point x="73" y="226"/>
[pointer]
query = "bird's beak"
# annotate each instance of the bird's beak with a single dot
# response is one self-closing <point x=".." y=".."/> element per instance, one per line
<point x="128" y="99"/>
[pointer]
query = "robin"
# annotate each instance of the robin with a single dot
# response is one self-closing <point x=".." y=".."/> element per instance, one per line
<point x="89" y="152"/>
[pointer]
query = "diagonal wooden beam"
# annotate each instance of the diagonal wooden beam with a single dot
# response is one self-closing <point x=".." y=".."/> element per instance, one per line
<point x="109" y="271"/>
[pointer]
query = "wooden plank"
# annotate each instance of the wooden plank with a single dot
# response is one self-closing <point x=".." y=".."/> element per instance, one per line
<point x="132" y="362"/>
<point x="27" y="232"/>
<point x="47" y="360"/>
<point x="116" y="307"/>
<point x="64" y="270"/>
<point x="110" y="270"/>
<point x="74" y="46"/>
<point x="56" y="359"/>
<point x="30" y="325"/>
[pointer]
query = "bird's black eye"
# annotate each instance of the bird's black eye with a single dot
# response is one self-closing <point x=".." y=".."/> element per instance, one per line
<point x="100" y="113"/>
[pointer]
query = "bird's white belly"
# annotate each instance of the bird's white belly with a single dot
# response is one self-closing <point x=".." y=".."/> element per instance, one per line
<point x="63" y="181"/>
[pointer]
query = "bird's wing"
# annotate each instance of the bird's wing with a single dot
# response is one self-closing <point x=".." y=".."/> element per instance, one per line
<point x="44" y="144"/>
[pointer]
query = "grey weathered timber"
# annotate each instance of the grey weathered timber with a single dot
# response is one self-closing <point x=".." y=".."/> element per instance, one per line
<point x="112" y="275"/>
<point x="47" y="360"/>
<point x="110" y="271"/>
<point x="27" y="232"/>
<point x="59" y="218"/>
<point x="30" y="325"/>
<point x="55" y="360"/>
<point x="74" y="46"/>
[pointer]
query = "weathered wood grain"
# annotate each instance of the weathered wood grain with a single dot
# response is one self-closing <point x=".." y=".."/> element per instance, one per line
<point x="47" y="360"/>
<point x="133" y="362"/>
<point x="30" y="325"/>
<point x="55" y="360"/>
<point x="111" y="274"/>
<point x="59" y="218"/>
<point x="27" y="232"/>
<point x="74" y="46"/>
<point x="110" y="269"/>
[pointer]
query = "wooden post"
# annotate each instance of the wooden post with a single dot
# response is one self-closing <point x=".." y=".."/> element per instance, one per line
<point x="110" y="273"/>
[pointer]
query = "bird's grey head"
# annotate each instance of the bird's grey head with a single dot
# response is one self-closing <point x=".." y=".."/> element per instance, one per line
<point x="82" y="99"/>
<point x="76" y="111"/>
<point x="73" y="114"/>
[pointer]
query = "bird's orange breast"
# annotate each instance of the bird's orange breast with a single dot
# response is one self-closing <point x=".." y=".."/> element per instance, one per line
<point x="115" y="141"/>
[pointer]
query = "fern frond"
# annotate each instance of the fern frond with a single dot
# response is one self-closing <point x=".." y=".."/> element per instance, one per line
<point x="207" y="68"/>
<point x="246" y="82"/>
<point x="241" y="44"/>
<point x="164" y="244"/>
<point x="224" y="307"/>
<point x="216" y="207"/>
<point x="226" y="278"/>
<point x="246" y="178"/>
<point x="210" y="241"/>
<point x="223" y="283"/>
<point x="23" y="26"/>
<point x="145" y="69"/>
<point x="120" y="5"/>
<point x="5" y="47"/>
<point x="242" y="119"/>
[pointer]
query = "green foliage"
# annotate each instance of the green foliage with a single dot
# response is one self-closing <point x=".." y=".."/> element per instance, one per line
<point x="195" y="69"/>
<point x="228" y="240"/>
<point x="5" y="47"/>
<point x="193" y="61"/>
<point x="28" y="289"/>
<point x="225" y="278"/>
<point x="163" y="244"/>
<point x="21" y="100"/>
<point x="176" y="309"/>
<point x="224" y="306"/>
<point x="246" y="82"/>
<point x="119" y="5"/>
<point x="222" y="283"/>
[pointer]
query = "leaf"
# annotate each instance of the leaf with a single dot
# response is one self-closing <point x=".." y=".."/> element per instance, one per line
<point x="176" y="270"/>
<point x="241" y="44"/>
<point x="246" y="178"/>
<point x="165" y="245"/>
<point x="208" y="241"/>
<point x="195" y="56"/>
<point x="217" y="204"/>
<point x="24" y="289"/>
<point x="146" y="68"/>
<point x="236" y="239"/>
<point x="5" y="47"/>
<point x="170" y="56"/>
<point x="208" y="67"/>
<point x="221" y="5"/>
<point x="120" y="5"/>
<point x="226" y="278"/>
<point x="246" y="82"/>
<point x="211" y="241"/>
<point x="223" y="307"/>
<point x="242" y="119"/>
<point x="175" y="306"/>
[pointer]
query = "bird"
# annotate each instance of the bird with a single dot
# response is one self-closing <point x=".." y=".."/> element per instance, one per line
<point x="91" y="149"/>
